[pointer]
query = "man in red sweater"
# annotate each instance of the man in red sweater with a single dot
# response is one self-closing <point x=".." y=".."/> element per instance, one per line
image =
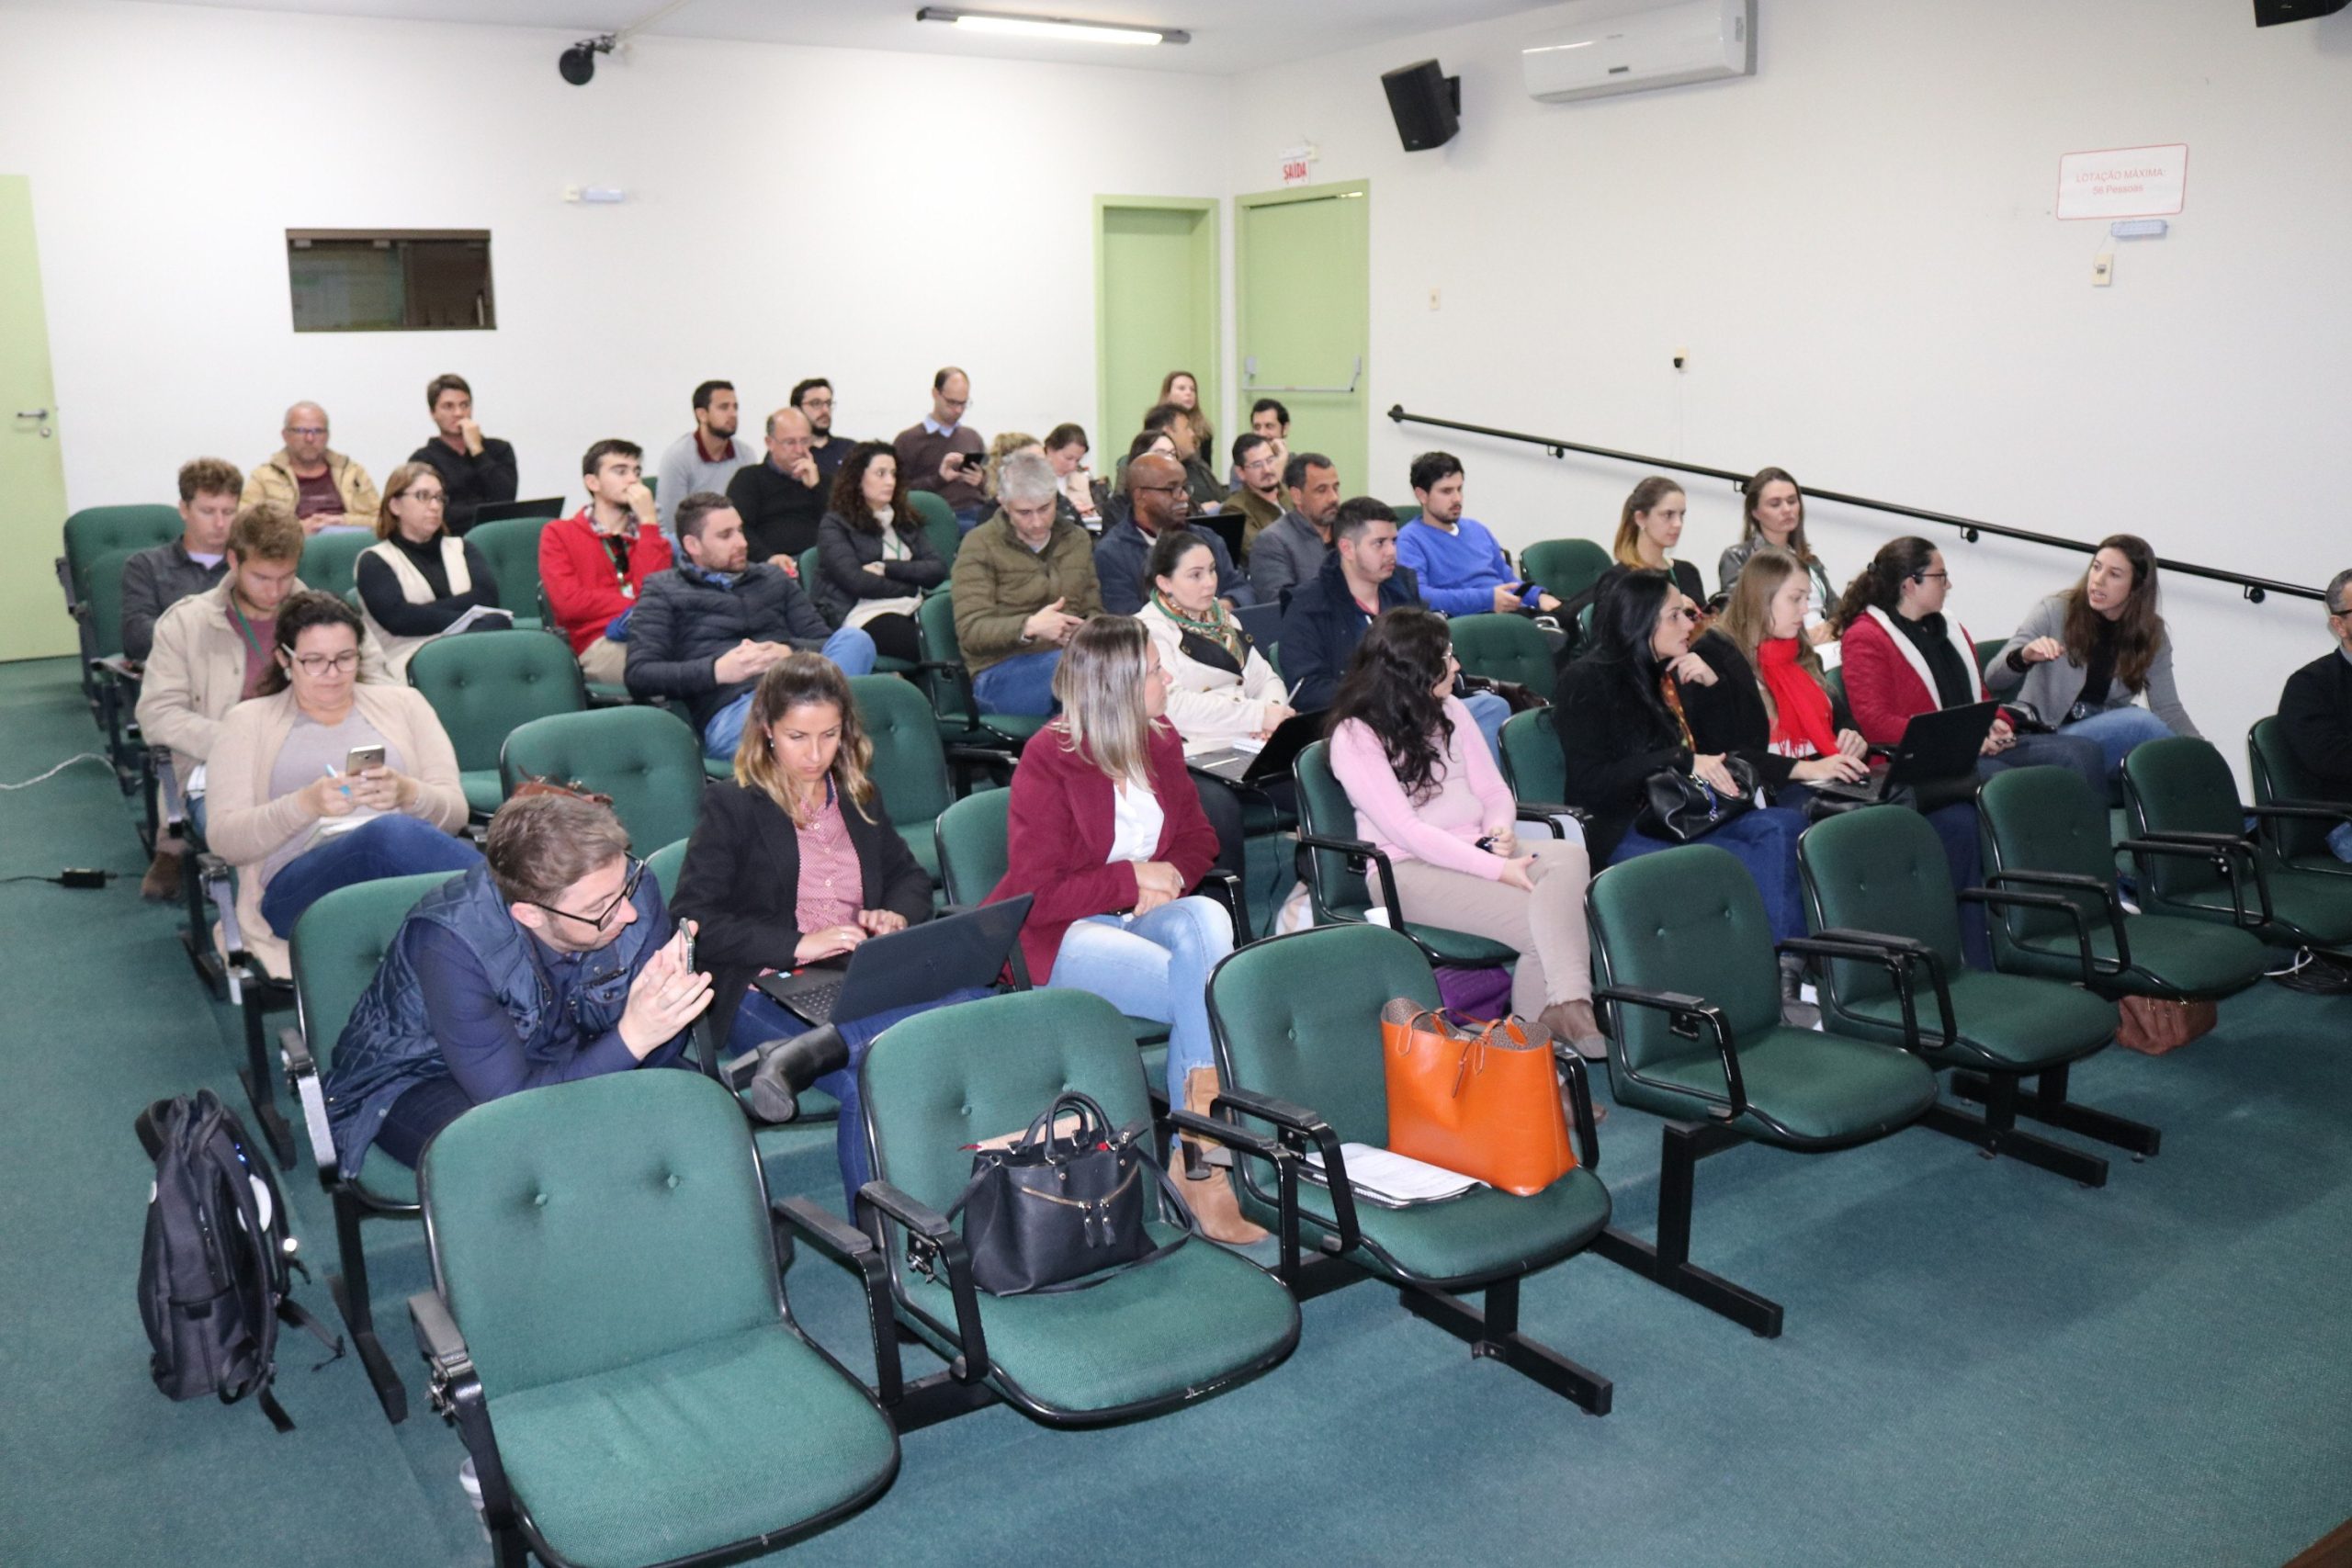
<point x="593" y="563"/>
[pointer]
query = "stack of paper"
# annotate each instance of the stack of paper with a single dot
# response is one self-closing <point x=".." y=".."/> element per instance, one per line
<point x="1393" y="1180"/>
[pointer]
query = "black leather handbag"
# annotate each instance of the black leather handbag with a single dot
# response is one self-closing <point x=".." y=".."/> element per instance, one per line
<point x="1683" y="806"/>
<point x="1063" y="1208"/>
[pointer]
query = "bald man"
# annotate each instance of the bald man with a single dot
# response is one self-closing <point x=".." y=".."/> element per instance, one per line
<point x="1156" y="504"/>
<point x="781" y="497"/>
<point x="318" y="488"/>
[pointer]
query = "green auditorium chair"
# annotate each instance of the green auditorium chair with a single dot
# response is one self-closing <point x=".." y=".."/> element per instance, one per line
<point x="483" y="686"/>
<point x="2291" y="807"/>
<point x="97" y="531"/>
<point x="1534" y="766"/>
<point x="2042" y="831"/>
<point x="113" y="677"/>
<point x="1155" y="1338"/>
<point x="331" y="561"/>
<point x="1503" y="647"/>
<point x="645" y="757"/>
<point x="511" y="546"/>
<point x="1296" y="1020"/>
<point x="601" y="693"/>
<point x="1879" y="878"/>
<point x="1986" y="650"/>
<point x="664" y="865"/>
<point x="938" y="521"/>
<point x="337" y="946"/>
<point x="609" y="1333"/>
<point x="2197" y="860"/>
<point x="949" y="685"/>
<point x="1687" y="965"/>
<point x="910" y="764"/>
<point x="1408" y="513"/>
<point x="1338" y="860"/>
<point x="1568" y="567"/>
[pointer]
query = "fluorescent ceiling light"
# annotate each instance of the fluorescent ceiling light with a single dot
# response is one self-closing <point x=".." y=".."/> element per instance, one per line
<point x="1059" y="28"/>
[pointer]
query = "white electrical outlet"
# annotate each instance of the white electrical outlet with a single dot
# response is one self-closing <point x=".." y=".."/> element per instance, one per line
<point x="2102" y="271"/>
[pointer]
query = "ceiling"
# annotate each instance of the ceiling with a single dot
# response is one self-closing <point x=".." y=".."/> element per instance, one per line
<point x="1229" y="36"/>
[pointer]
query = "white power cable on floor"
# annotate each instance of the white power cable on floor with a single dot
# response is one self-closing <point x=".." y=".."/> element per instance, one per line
<point x="79" y="757"/>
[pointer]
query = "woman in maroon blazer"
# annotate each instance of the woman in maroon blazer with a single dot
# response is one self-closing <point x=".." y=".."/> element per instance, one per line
<point x="1106" y="834"/>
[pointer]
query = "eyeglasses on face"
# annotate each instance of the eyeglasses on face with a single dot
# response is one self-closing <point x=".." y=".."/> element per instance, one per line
<point x="1159" y="489"/>
<point x="306" y="430"/>
<point x="1944" y="577"/>
<point x="342" y="663"/>
<point x="424" y="497"/>
<point x="603" y="917"/>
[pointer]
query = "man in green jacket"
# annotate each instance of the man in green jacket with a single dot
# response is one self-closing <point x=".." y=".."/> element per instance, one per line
<point x="1023" y="582"/>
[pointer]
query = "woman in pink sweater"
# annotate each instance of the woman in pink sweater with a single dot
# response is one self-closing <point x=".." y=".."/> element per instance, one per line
<point x="1444" y="816"/>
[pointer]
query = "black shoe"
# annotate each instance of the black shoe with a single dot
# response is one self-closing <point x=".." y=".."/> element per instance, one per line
<point x="787" y="1067"/>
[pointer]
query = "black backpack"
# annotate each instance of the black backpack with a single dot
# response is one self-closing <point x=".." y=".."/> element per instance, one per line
<point x="213" y="1275"/>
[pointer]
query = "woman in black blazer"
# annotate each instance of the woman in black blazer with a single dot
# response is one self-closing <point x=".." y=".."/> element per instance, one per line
<point x="793" y="862"/>
<point x="875" y="559"/>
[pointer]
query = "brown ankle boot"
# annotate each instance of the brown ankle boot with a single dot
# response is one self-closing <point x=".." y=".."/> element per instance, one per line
<point x="1207" y="1189"/>
<point x="162" y="878"/>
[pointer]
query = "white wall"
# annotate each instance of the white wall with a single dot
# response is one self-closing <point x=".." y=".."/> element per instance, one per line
<point x="791" y="211"/>
<point x="1857" y="247"/>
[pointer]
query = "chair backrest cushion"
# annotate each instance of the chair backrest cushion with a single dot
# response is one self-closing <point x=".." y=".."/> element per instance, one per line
<point x="664" y="865"/>
<point x="1503" y="647"/>
<point x="484" y="684"/>
<point x="1297" y="1018"/>
<point x="330" y="562"/>
<point x="103" y="594"/>
<point x="1567" y="567"/>
<point x="951" y="1076"/>
<point x="596" y="1225"/>
<point x="511" y="545"/>
<point x="335" y="949"/>
<point x="1880" y="869"/>
<point x="1686" y="920"/>
<point x="2181" y="785"/>
<point x="910" y="767"/>
<point x="647" y="760"/>
<point x="1532" y="757"/>
<point x="939" y="522"/>
<point x="2278" y="776"/>
<point x="95" y="531"/>
<point x="2043" y="820"/>
<point x="971" y="836"/>
<point x="1324" y="808"/>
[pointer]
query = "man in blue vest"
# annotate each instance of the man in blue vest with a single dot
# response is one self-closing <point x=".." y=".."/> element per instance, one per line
<point x="555" y="959"/>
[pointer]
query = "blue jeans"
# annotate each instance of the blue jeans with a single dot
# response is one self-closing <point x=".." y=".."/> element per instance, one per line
<point x="762" y="1019"/>
<point x="1021" y="685"/>
<point x="1764" y="842"/>
<point x="377" y="848"/>
<point x="966" y="519"/>
<point x="2079" y="752"/>
<point x="1489" y="711"/>
<point x="850" y="648"/>
<point x="1155" y="966"/>
<point x="2339" y="840"/>
<point x="2117" y="731"/>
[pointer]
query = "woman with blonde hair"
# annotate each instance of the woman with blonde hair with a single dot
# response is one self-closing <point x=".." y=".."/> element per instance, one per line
<point x="1106" y="834"/>
<point x="419" y="579"/>
<point x="1649" y="527"/>
<point x="794" y="861"/>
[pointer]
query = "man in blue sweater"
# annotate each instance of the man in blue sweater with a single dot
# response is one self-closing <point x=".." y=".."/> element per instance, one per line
<point x="1461" y="568"/>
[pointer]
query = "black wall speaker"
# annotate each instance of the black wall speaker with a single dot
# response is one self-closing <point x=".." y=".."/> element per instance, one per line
<point x="2270" y="12"/>
<point x="1427" y="103"/>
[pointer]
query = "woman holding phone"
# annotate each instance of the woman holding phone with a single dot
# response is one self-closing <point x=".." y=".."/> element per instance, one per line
<point x="325" y="779"/>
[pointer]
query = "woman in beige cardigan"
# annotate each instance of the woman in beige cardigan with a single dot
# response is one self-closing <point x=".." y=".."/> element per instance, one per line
<point x="288" y="811"/>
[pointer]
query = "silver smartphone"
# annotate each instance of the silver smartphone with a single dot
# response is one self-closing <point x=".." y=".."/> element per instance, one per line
<point x="359" y="759"/>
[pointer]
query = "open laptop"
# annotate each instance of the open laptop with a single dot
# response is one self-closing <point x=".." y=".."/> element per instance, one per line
<point x="499" y="511"/>
<point x="1227" y="525"/>
<point x="1260" y="764"/>
<point x="1936" y="747"/>
<point x="921" y="963"/>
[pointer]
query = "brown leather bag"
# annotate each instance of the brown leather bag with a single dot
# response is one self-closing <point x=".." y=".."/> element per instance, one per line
<point x="533" y="784"/>
<point x="1485" y="1104"/>
<point x="2156" y="1026"/>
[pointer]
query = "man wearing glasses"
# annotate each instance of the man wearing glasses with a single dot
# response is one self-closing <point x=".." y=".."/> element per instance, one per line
<point x="1156" y="500"/>
<point x="553" y="960"/>
<point x="318" y="488"/>
<point x="2316" y="714"/>
<point x="942" y="455"/>
<point x="814" y="399"/>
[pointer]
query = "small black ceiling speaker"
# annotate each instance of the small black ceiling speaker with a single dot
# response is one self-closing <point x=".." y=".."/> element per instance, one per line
<point x="578" y="63"/>
<point x="2270" y="12"/>
<point x="1427" y="103"/>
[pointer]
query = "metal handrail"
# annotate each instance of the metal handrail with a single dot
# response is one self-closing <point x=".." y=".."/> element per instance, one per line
<point x="1970" y="528"/>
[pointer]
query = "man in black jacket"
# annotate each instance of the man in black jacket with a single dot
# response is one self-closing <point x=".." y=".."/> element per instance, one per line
<point x="475" y="469"/>
<point x="1155" y="503"/>
<point x="703" y="633"/>
<point x="2315" y="714"/>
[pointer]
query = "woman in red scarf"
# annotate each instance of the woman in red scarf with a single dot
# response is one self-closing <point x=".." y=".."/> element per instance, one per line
<point x="1770" y="702"/>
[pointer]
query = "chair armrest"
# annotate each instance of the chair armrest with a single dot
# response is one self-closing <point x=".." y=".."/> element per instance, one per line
<point x="1998" y="897"/>
<point x="932" y="1236"/>
<point x="302" y="1078"/>
<point x="456" y="1392"/>
<point x="124" y="670"/>
<point x="1359" y="850"/>
<point x="2302" y="811"/>
<point x="1685" y="1015"/>
<point x="983" y="757"/>
<point x="854" y="1250"/>
<point x="1545" y="810"/>
<point x="1899" y="955"/>
<point x="1580" y="1096"/>
<point x="2224" y="851"/>
<point x="437" y="1339"/>
<point x="1226" y="888"/>
<point x="1297" y="1127"/>
<point x="2108" y="899"/>
<point x="1270" y="1150"/>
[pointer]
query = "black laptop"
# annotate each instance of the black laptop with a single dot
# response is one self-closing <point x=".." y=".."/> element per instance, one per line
<point x="1265" y="763"/>
<point x="500" y="510"/>
<point x="1936" y="748"/>
<point x="921" y="963"/>
<point x="1227" y="525"/>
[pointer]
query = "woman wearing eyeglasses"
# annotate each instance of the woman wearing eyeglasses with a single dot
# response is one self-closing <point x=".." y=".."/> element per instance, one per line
<point x="287" y="808"/>
<point x="418" y="578"/>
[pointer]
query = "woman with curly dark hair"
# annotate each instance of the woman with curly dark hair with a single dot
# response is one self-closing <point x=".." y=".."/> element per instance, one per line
<point x="874" y="558"/>
<point x="1426" y="791"/>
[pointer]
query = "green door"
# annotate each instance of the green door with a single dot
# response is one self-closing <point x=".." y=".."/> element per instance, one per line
<point x="33" y="623"/>
<point x="1155" y="310"/>
<point x="1303" y="311"/>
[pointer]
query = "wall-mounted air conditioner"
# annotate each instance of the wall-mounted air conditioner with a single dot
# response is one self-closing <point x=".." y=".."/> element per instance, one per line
<point x="1625" y="46"/>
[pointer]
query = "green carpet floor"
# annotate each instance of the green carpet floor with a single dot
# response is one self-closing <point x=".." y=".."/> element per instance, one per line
<point x="1983" y="1364"/>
